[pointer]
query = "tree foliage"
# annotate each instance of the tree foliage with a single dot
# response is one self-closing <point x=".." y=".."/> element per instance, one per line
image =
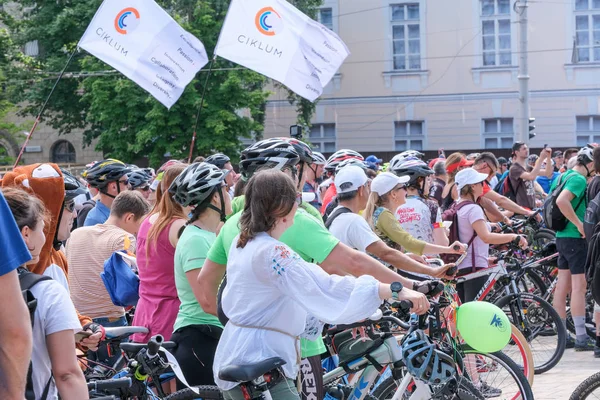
<point x="129" y="123"/>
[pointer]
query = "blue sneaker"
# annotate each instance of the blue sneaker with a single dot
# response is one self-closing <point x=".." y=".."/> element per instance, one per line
<point x="587" y="345"/>
<point x="570" y="342"/>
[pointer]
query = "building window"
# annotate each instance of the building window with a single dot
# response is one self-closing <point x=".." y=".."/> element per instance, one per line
<point x="588" y="130"/>
<point x="408" y="135"/>
<point x="326" y="17"/>
<point x="32" y="48"/>
<point x="587" y="31"/>
<point x="406" y="37"/>
<point x="495" y="32"/>
<point x="498" y="133"/>
<point x="322" y="137"/>
<point x="63" y="152"/>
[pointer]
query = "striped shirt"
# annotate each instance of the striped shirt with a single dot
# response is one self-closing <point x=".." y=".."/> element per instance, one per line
<point x="87" y="249"/>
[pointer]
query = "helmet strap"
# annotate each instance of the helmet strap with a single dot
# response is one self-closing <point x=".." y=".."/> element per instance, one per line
<point x="57" y="243"/>
<point x="221" y="211"/>
<point x="587" y="171"/>
<point x="300" y="174"/>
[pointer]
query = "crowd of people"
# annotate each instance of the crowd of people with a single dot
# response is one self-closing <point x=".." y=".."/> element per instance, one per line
<point x="238" y="267"/>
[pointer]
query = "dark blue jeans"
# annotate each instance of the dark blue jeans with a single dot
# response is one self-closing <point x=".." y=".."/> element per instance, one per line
<point x="102" y="355"/>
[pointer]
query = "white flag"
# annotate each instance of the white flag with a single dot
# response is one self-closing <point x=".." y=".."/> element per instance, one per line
<point x="274" y="38"/>
<point x="145" y="44"/>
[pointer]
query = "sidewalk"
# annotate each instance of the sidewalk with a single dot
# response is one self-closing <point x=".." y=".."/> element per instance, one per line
<point x="560" y="382"/>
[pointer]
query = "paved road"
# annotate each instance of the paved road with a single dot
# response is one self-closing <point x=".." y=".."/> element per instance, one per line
<point x="559" y="382"/>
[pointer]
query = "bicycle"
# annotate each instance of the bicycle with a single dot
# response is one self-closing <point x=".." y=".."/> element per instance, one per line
<point x="590" y="388"/>
<point x="531" y="314"/>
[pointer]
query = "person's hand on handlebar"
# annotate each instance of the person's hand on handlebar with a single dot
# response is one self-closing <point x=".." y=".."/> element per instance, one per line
<point x="420" y="304"/>
<point x="91" y="342"/>
<point x="430" y="288"/>
<point x="457" y="248"/>
<point x="520" y="241"/>
<point x="441" y="272"/>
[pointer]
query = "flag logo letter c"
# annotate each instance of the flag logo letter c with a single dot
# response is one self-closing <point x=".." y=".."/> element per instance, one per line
<point x="268" y="21"/>
<point x="127" y="20"/>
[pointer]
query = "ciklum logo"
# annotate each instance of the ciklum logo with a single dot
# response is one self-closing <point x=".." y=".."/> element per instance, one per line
<point x="127" y="20"/>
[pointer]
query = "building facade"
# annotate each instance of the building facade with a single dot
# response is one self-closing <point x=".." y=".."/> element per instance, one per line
<point x="443" y="74"/>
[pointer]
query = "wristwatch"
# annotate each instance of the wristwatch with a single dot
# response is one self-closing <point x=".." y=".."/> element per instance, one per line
<point x="396" y="288"/>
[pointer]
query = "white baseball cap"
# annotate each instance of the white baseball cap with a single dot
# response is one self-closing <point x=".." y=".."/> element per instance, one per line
<point x="386" y="181"/>
<point x="468" y="176"/>
<point x="351" y="178"/>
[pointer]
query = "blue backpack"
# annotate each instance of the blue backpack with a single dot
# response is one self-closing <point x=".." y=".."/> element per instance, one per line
<point x="121" y="282"/>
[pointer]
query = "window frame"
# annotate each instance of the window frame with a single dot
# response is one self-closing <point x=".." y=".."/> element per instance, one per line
<point x="319" y="17"/>
<point x="592" y="136"/>
<point x="498" y="135"/>
<point x="61" y="159"/>
<point x="590" y="12"/>
<point x="496" y="18"/>
<point x="406" y="39"/>
<point x="322" y="139"/>
<point x="408" y="137"/>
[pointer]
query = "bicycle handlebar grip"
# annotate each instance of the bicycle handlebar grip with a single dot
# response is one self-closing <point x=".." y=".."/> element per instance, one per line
<point x="111" y="384"/>
<point x="406" y="305"/>
<point x="451" y="271"/>
<point x="154" y="344"/>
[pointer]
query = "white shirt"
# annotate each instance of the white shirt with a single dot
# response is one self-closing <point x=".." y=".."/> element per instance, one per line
<point x="415" y="217"/>
<point x="352" y="230"/>
<point x="269" y="285"/>
<point x="54" y="313"/>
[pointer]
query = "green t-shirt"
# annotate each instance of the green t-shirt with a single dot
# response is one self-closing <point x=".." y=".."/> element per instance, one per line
<point x="190" y="255"/>
<point x="237" y="205"/>
<point x="307" y="237"/>
<point x="576" y="184"/>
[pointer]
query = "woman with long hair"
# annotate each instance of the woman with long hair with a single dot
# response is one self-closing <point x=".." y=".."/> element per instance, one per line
<point x="388" y="193"/>
<point x="474" y="229"/>
<point x="203" y="187"/>
<point x="54" y="362"/>
<point x="273" y="297"/>
<point x="454" y="163"/>
<point x="156" y="241"/>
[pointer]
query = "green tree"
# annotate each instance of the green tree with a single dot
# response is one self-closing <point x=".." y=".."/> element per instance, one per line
<point x="128" y="122"/>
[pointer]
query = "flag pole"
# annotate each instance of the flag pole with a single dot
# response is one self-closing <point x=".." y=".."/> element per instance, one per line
<point x="39" y="116"/>
<point x="210" y="67"/>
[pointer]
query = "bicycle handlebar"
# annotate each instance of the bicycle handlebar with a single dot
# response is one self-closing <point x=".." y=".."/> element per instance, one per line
<point x="112" y="384"/>
<point x="154" y="344"/>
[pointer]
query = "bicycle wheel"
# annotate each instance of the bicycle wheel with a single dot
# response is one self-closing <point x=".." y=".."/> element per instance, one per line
<point x="466" y="391"/>
<point x="542" y="237"/>
<point x="530" y="282"/>
<point x="541" y="325"/>
<point x="520" y="352"/>
<point x="347" y="391"/>
<point x="496" y="375"/>
<point x="590" y="388"/>
<point x="207" y="392"/>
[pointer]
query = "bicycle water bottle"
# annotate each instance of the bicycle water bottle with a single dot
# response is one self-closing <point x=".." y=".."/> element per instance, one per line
<point x="334" y="393"/>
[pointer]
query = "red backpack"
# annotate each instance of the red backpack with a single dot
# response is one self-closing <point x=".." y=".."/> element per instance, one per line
<point x="451" y="214"/>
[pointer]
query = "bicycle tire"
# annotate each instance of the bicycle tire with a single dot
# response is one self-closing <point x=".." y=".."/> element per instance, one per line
<point x="525" y="391"/>
<point x="554" y="321"/>
<point x="525" y="352"/>
<point x="538" y="285"/>
<point x="207" y="392"/>
<point x="543" y="236"/>
<point x="586" y="387"/>
<point x="389" y="386"/>
<point x="347" y="391"/>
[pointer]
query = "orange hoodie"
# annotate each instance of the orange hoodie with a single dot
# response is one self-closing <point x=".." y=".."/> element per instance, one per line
<point x="46" y="182"/>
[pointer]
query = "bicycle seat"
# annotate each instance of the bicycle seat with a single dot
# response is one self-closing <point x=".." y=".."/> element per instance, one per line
<point x="134" y="348"/>
<point x="123" y="331"/>
<point x="249" y="372"/>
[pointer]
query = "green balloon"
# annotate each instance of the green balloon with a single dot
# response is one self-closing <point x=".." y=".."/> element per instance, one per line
<point x="483" y="326"/>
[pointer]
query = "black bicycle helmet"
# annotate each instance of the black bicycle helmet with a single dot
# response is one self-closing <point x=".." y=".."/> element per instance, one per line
<point x="586" y="154"/>
<point x="414" y="169"/>
<point x="424" y="361"/>
<point x="270" y="153"/>
<point x="303" y="150"/>
<point x="73" y="187"/>
<point x="138" y="178"/>
<point x="218" y="159"/>
<point x="196" y="183"/>
<point x="103" y="172"/>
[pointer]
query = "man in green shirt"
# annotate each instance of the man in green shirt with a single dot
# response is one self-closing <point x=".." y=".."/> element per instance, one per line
<point x="308" y="237"/>
<point x="572" y="247"/>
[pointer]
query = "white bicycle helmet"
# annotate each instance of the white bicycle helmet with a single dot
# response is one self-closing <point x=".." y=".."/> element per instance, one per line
<point x="339" y="156"/>
<point x="196" y="183"/>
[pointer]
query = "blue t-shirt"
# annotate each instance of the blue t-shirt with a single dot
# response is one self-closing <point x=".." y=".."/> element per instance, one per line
<point x="545" y="182"/>
<point x="97" y="215"/>
<point x="13" y="250"/>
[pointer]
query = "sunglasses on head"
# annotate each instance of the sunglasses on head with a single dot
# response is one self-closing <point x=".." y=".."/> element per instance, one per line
<point x="69" y="206"/>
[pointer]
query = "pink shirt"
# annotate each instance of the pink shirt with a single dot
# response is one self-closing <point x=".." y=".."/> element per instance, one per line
<point x="158" y="305"/>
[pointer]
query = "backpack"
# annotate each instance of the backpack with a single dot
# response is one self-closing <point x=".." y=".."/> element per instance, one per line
<point x="553" y="217"/>
<point x="335" y="214"/>
<point x="451" y="215"/>
<point x="499" y="188"/>
<point x="28" y="280"/>
<point x="592" y="217"/>
<point x="507" y="188"/>
<point x="122" y="284"/>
